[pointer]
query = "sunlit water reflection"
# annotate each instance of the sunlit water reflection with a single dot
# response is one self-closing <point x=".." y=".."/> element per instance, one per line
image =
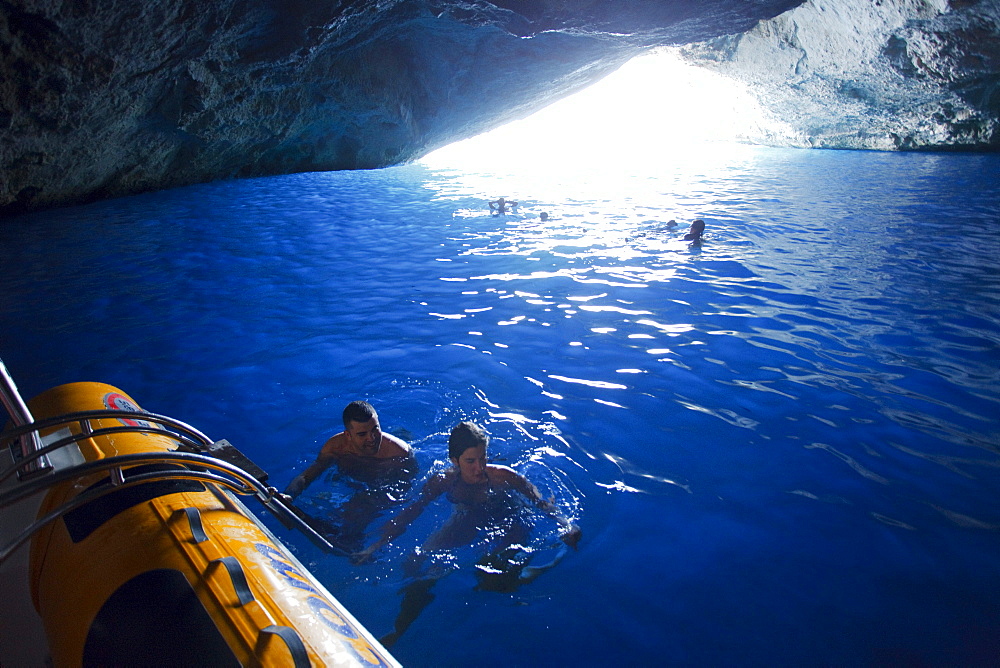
<point x="782" y="444"/>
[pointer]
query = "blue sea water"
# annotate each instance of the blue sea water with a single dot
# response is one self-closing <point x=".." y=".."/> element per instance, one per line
<point x="782" y="445"/>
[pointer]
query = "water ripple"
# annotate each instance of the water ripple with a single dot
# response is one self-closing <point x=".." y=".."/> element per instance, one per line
<point x="814" y="387"/>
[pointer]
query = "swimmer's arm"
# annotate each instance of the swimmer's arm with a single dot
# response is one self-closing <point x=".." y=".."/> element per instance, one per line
<point x="304" y="479"/>
<point x="398" y="525"/>
<point x="570" y="532"/>
<point x="397" y="447"/>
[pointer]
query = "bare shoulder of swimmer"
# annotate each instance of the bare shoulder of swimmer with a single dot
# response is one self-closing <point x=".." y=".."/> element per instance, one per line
<point x="395" y="446"/>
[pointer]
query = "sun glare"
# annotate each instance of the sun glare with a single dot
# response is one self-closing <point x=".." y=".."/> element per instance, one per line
<point x="653" y="105"/>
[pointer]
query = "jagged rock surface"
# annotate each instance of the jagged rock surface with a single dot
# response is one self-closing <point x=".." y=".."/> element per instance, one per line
<point x="112" y="97"/>
<point x="864" y="74"/>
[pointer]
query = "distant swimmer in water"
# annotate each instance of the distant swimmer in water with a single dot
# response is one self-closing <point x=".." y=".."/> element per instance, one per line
<point x="667" y="226"/>
<point x="484" y="505"/>
<point x="500" y="205"/>
<point x="544" y="216"/>
<point x="697" y="229"/>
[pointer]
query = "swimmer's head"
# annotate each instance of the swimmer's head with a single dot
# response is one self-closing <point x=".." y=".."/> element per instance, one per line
<point x="467" y="451"/>
<point x="697" y="228"/>
<point x="358" y="411"/>
<point x="466" y="435"/>
<point x="362" y="427"/>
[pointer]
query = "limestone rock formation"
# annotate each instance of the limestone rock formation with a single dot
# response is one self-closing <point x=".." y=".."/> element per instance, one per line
<point x="902" y="74"/>
<point x="102" y="98"/>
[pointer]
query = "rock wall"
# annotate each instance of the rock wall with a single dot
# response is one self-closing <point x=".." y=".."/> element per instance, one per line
<point x="871" y="74"/>
<point x="101" y="98"/>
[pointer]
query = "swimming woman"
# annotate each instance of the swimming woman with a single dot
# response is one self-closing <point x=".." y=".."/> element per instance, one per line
<point x="482" y="502"/>
<point x="480" y="493"/>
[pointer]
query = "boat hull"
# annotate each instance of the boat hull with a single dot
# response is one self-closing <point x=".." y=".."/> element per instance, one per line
<point x="171" y="571"/>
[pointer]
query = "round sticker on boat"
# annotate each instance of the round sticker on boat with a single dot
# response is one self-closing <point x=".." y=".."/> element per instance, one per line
<point x="119" y="402"/>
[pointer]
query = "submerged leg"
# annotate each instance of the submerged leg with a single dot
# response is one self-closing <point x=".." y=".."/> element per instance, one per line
<point x="416" y="596"/>
<point x="356" y="515"/>
<point x="457" y="531"/>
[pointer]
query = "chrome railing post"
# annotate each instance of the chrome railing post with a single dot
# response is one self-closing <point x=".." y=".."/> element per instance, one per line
<point x="21" y="416"/>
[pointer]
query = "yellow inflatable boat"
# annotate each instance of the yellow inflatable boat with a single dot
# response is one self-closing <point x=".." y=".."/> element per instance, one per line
<point x="125" y="543"/>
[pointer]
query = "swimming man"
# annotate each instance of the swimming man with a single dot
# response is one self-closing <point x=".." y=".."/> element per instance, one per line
<point x="382" y="463"/>
<point x="500" y="205"/>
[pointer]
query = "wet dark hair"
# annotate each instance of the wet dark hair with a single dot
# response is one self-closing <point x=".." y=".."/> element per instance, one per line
<point x="466" y="435"/>
<point x="358" y="411"/>
<point x="697" y="227"/>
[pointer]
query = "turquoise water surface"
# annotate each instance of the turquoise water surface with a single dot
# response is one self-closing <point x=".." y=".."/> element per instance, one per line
<point x="782" y="445"/>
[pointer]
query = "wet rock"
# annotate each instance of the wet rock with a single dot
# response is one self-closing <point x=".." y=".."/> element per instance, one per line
<point x="112" y="97"/>
<point x="102" y="99"/>
<point x="909" y="74"/>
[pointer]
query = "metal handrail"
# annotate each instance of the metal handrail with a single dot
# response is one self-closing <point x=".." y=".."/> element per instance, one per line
<point x="192" y="446"/>
<point x="11" y="398"/>
<point x="97" y="414"/>
<point x="239" y="482"/>
<point x="185" y="435"/>
<point x="20" y="415"/>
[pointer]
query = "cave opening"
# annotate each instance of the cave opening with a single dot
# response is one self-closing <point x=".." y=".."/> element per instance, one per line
<point x="654" y="106"/>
